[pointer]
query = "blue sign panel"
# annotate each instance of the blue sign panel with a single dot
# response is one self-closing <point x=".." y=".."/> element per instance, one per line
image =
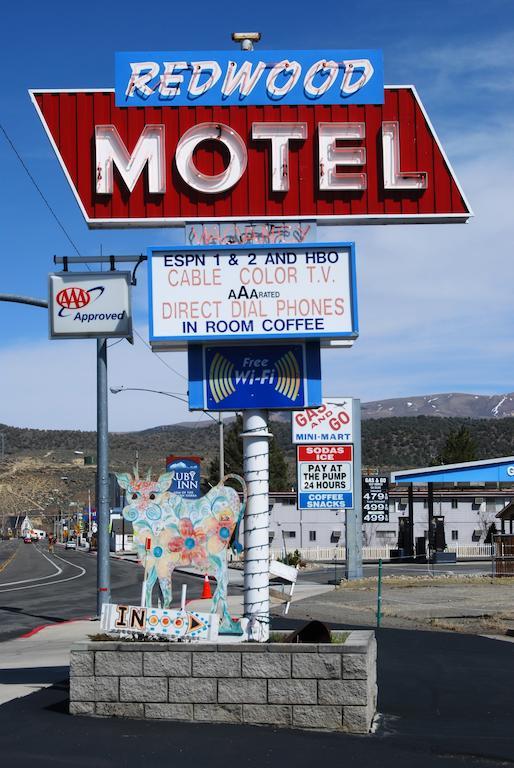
<point x="226" y="78"/>
<point x="232" y="378"/>
<point x="186" y="481"/>
<point x="325" y="500"/>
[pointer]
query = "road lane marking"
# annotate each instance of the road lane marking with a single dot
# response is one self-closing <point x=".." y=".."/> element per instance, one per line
<point x="9" y="560"/>
<point x="36" y="578"/>
<point x="48" y="583"/>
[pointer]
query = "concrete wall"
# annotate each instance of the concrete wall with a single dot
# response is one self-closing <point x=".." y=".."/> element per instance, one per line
<point x="313" y="686"/>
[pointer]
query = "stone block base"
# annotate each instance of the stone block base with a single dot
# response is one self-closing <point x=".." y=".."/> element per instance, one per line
<point x="325" y="686"/>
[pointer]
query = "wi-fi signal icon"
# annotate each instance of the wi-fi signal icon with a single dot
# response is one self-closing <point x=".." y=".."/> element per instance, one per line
<point x="288" y="376"/>
<point x="221" y="378"/>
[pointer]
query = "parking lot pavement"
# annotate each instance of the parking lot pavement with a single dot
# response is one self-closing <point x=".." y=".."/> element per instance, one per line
<point x="445" y="700"/>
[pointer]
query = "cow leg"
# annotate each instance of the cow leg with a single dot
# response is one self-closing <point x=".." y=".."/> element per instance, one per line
<point x="150" y="581"/>
<point x="166" y="590"/>
<point x="228" y="625"/>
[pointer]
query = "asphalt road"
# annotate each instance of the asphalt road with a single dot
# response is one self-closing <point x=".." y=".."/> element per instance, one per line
<point x="445" y="701"/>
<point x="37" y="587"/>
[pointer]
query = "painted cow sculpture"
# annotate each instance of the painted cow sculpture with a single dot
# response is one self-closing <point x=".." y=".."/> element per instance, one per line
<point x="170" y="531"/>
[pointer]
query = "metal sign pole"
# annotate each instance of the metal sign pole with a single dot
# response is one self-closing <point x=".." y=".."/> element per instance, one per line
<point x="353" y="519"/>
<point x="256" y="523"/>
<point x="102" y="485"/>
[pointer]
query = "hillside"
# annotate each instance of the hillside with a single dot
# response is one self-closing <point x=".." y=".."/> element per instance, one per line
<point x="45" y="468"/>
<point x="451" y="404"/>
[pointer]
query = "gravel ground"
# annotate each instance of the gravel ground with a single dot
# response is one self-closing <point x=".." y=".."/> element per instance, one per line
<point x="478" y="605"/>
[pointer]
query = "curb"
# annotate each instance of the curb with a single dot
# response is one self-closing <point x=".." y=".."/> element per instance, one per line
<point x="37" y="629"/>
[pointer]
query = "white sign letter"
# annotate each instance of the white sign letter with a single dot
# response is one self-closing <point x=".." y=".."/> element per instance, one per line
<point x="198" y="68"/>
<point x="242" y="78"/>
<point x="138" y="81"/>
<point x="110" y="150"/>
<point x="394" y="178"/>
<point x="169" y="82"/>
<point x="294" y="70"/>
<point x="279" y="134"/>
<point x="347" y="87"/>
<point x="201" y="181"/>
<point x="330" y="156"/>
<point x="319" y="66"/>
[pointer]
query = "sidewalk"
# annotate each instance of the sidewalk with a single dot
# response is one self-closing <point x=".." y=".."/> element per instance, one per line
<point x="28" y="664"/>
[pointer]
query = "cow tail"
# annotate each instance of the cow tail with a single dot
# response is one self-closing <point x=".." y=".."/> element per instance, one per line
<point x="234" y="544"/>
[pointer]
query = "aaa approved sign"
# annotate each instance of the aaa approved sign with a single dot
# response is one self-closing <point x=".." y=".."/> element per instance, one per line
<point x="325" y="476"/>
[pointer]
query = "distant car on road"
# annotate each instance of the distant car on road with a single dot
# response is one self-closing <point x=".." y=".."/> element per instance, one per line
<point x="70" y="544"/>
<point x="27" y="540"/>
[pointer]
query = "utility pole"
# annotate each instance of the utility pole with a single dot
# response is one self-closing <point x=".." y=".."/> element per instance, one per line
<point x="102" y="475"/>
<point x="222" y="449"/>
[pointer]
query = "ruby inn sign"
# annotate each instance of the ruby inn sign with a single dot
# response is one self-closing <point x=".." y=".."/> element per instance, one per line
<point x="273" y="135"/>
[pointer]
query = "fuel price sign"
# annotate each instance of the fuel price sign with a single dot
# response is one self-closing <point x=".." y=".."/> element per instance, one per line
<point x="375" y="499"/>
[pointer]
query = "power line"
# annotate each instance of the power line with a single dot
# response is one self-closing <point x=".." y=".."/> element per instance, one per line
<point x="31" y="177"/>
<point x="61" y="226"/>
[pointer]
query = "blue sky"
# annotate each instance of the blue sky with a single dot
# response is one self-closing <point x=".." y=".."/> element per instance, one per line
<point x="435" y="302"/>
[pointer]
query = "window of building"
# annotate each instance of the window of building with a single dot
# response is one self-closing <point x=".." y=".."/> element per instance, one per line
<point x="425" y="503"/>
<point x="386" y="535"/>
<point x="335" y="536"/>
<point x="312" y="535"/>
<point x="455" y="535"/>
<point x="455" y="503"/>
<point x="290" y="534"/>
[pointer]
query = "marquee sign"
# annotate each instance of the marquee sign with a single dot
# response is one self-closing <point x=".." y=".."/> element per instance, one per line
<point x="168" y="165"/>
<point x="208" y="78"/>
<point x="248" y="293"/>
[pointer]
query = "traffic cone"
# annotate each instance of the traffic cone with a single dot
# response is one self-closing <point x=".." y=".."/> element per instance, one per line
<point x="206" y="592"/>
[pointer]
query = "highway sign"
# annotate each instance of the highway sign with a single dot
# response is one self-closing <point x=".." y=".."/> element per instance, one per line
<point x="325" y="476"/>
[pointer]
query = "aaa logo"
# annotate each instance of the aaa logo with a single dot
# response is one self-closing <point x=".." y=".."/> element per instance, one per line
<point x="76" y="298"/>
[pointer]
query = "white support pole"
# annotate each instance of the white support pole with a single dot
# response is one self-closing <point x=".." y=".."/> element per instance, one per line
<point x="256" y="523"/>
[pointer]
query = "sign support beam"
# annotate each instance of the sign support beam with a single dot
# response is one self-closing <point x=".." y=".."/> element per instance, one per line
<point x="256" y="523"/>
<point x="102" y="482"/>
<point x="353" y="519"/>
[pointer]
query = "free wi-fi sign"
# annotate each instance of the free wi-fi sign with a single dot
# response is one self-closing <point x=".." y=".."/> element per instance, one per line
<point x="228" y="378"/>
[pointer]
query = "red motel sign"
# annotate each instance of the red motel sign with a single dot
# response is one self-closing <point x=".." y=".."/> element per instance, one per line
<point x="164" y="166"/>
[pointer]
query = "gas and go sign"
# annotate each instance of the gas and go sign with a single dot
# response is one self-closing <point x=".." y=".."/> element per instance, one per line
<point x="297" y="135"/>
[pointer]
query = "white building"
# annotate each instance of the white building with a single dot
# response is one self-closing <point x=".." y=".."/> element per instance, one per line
<point x="468" y="513"/>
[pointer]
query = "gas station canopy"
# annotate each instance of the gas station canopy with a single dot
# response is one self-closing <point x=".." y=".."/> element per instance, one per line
<point x="485" y="471"/>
